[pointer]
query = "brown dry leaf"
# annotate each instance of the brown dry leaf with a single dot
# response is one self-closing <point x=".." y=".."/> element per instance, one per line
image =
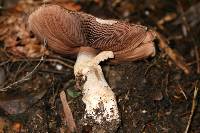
<point x="15" y="35"/>
<point x="29" y="50"/>
<point x="34" y="50"/>
<point x="6" y="4"/>
<point x="178" y="59"/>
<point x="17" y="105"/>
<point x="10" y="42"/>
<point x="17" y="39"/>
<point x="98" y="1"/>
<point x="16" y="127"/>
<point x="4" y="125"/>
<point x="71" y="6"/>
<point x="126" y="8"/>
<point x="3" y="31"/>
<point x="18" y="5"/>
<point x="28" y="93"/>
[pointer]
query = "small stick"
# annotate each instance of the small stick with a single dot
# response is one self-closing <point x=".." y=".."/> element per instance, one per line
<point x="179" y="86"/>
<point x="68" y="114"/>
<point x="194" y="104"/>
<point x="45" y="60"/>
<point x="166" y="18"/>
<point x="25" y="78"/>
<point x="185" y="22"/>
<point x="60" y="62"/>
<point x="197" y="58"/>
<point x="176" y="57"/>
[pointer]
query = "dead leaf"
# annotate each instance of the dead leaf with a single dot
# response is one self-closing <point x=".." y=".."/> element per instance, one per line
<point x="4" y="125"/>
<point x="71" y="6"/>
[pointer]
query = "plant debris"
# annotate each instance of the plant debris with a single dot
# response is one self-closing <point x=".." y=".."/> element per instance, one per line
<point x="155" y="95"/>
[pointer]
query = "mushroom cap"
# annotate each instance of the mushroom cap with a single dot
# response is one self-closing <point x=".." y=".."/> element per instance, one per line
<point x="58" y="27"/>
<point x="66" y="31"/>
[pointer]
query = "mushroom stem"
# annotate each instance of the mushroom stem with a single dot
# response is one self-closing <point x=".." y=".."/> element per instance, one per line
<point x="101" y="107"/>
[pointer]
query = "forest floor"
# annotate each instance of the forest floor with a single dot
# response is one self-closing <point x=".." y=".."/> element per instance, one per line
<point x="155" y="95"/>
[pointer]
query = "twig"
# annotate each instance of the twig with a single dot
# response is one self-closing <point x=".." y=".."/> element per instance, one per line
<point x="61" y="58"/>
<point x="179" y="86"/>
<point x="188" y="29"/>
<point x="192" y="63"/>
<point x="25" y="78"/>
<point x="68" y="114"/>
<point x="175" y="56"/>
<point x="45" y="60"/>
<point x="148" y="68"/>
<point x="166" y="18"/>
<point x="197" y="58"/>
<point x="194" y="104"/>
<point x="60" y="62"/>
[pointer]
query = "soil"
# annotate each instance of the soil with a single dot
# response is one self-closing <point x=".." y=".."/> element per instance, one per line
<point x="153" y="95"/>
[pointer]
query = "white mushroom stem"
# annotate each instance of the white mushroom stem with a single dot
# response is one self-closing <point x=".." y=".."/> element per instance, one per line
<point x="101" y="106"/>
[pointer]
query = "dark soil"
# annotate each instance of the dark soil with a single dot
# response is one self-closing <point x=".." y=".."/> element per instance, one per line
<point x="153" y="95"/>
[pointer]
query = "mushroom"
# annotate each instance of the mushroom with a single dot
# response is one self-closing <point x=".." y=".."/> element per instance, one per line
<point x="93" y="40"/>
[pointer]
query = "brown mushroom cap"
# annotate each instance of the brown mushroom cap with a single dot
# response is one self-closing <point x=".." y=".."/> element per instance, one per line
<point x="67" y="31"/>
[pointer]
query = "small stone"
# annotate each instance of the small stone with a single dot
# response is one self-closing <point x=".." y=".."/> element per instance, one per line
<point x="147" y="13"/>
<point x="144" y="111"/>
<point x="59" y="67"/>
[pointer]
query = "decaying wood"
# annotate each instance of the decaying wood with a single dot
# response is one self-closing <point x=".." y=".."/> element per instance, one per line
<point x="68" y="114"/>
<point x="194" y="104"/>
<point x="197" y="58"/>
<point x="174" y="56"/>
